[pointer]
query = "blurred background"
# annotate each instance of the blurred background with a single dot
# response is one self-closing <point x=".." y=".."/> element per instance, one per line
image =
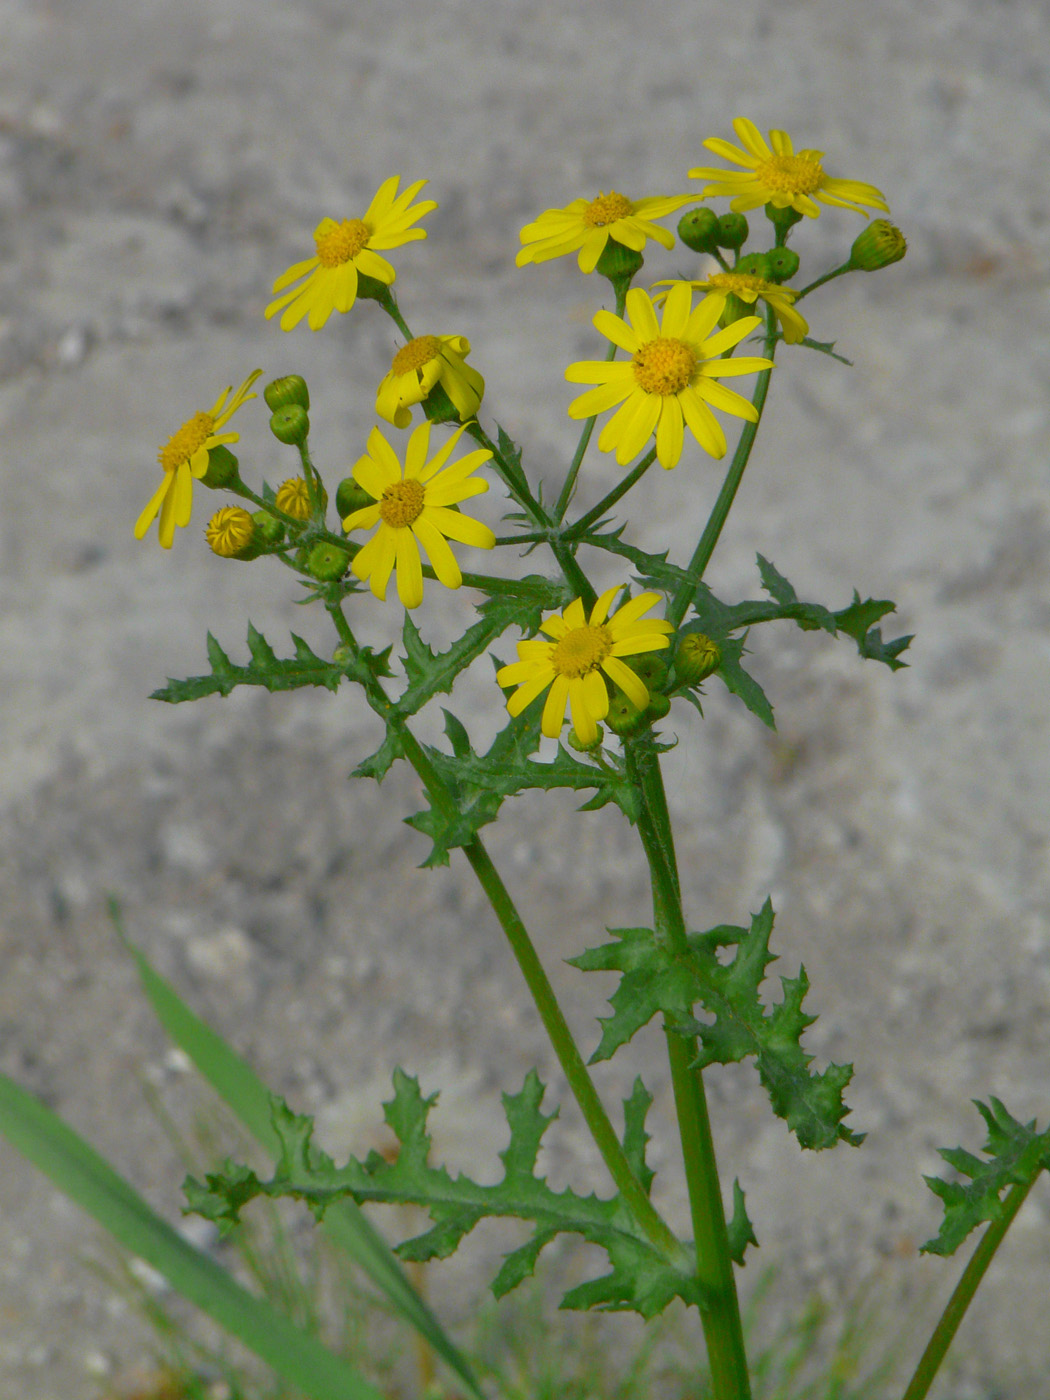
<point x="160" y="165"/>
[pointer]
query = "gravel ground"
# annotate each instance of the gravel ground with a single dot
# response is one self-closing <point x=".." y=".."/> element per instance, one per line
<point x="159" y="165"/>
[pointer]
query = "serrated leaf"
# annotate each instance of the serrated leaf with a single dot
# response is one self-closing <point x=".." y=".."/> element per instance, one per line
<point x="265" y="669"/>
<point x="635" y="1138"/>
<point x="1015" y="1154"/>
<point x="658" y="980"/>
<point x="641" y="1277"/>
<point x="826" y="347"/>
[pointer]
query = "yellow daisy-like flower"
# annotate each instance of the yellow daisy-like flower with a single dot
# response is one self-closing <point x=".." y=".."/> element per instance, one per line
<point x="573" y="663"/>
<point x="185" y="456"/>
<point x="293" y="497"/>
<point x="588" y="224"/>
<point x="347" y="250"/>
<point x="670" y="380"/>
<point x="413" y="509"/>
<point x="777" y="174"/>
<point x="749" y="287"/>
<point x="230" y="530"/>
<point x="421" y="365"/>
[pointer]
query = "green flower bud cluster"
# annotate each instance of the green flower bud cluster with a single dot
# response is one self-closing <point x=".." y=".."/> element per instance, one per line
<point x="704" y="231"/>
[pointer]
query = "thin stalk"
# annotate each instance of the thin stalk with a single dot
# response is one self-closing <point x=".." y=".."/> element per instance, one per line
<point x="578" y="527"/>
<point x="948" y="1323"/>
<point x="827" y="277"/>
<point x="723" y="1330"/>
<point x="717" y="519"/>
<point x="557" y="1028"/>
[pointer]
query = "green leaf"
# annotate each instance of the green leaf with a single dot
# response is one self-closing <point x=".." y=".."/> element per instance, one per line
<point x="635" y="1138"/>
<point x="826" y="347"/>
<point x="480" y="783"/>
<point x="657" y="980"/>
<point x="78" y="1171"/>
<point x="240" y="1088"/>
<point x="641" y="1277"/>
<point x="741" y="1231"/>
<point x="1016" y="1154"/>
<point x="265" y="669"/>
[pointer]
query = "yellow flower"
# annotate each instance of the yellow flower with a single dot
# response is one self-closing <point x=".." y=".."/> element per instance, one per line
<point x="573" y="663"/>
<point x="230" y="530"/>
<point x="669" y="381"/>
<point x="781" y="176"/>
<point x="185" y="456"/>
<point x="412" y="508"/>
<point x="293" y="497"/>
<point x="748" y="287"/>
<point x="347" y="250"/>
<point x="418" y="367"/>
<point x="588" y="225"/>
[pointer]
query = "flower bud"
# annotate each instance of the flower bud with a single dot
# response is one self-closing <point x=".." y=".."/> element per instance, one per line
<point x="657" y="708"/>
<point x="222" y="468"/>
<point x="349" y="496"/>
<point x="617" y="263"/>
<point x="782" y="219"/>
<point x="650" y="667"/>
<point x="782" y="263"/>
<point x="326" y="561"/>
<point x="290" y="424"/>
<point x="624" y="717"/>
<point x="697" y="657"/>
<point x="231" y="534"/>
<point x="880" y="244"/>
<point x="698" y="229"/>
<point x="289" y="389"/>
<point x="576" y="743"/>
<point x="732" y="231"/>
<point x="268" y="528"/>
<point x="755" y="263"/>
<point x="293" y="497"/>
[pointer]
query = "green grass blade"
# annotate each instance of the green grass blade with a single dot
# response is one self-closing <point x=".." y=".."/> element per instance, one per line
<point x="244" y="1092"/>
<point x="75" y="1168"/>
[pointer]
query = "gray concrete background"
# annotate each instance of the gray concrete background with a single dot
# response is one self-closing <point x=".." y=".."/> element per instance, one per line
<point x="159" y="165"/>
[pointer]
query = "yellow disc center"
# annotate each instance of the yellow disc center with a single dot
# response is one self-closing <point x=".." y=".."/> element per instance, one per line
<point x="606" y="209"/>
<point x="791" y="175"/>
<point x="191" y="436"/>
<point x="342" y="243"/>
<point x="416" y="354"/>
<point x="580" y="651"/>
<point x="402" y="504"/>
<point x="664" y="366"/>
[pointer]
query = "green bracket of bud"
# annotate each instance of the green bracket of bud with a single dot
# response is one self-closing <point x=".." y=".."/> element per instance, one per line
<point x="620" y="265"/>
<point x="783" y="221"/>
<point x="325" y="561"/>
<point x="349" y="496"/>
<point x="879" y="245"/>
<point x="697" y="657"/>
<point x="222" y="468"/>
<point x="782" y="264"/>
<point x="290" y="424"/>
<point x="732" y="231"/>
<point x="268" y="528"/>
<point x="288" y="389"/>
<point x="698" y="229"/>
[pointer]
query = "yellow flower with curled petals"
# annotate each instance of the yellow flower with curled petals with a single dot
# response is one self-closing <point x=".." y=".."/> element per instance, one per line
<point x="582" y="652"/>
<point x="749" y="287"/>
<point x="671" y="380"/>
<point x="413" y="510"/>
<point x="777" y="174"/>
<point x="347" y="251"/>
<point x="185" y="457"/>
<point x="419" y="367"/>
<point x="586" y="225"/>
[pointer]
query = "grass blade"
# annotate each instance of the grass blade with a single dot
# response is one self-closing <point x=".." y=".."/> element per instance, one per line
<point x="75" y="1168"/>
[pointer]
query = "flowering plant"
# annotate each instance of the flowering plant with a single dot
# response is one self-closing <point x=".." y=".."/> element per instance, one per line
<point x="600" y="688"/>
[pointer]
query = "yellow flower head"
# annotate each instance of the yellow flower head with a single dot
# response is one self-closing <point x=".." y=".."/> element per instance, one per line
<point x="777" y="174"/>
<point x="583" y="652"/>
<point x="748" y="287"/>
<point x="185" y="456"/>
<point x="347" y="250"/>
<point x="588" y="224"/>
<point x="419" y="367"/>
<point x="293" y="497"/>
<point x="230" y="530"/>
<point x="670" y="381"/>
<point x="412" y="507"/>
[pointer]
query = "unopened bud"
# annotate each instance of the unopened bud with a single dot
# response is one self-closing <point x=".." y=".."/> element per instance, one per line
<point x="732" y="231"/>
<point x="326" y="561"/>
<point x="222" y="468"/>
<point x="290" y="424"/>
<point x="697" y="657"/>
<point x="624" y="716"/>
<point x="350" y="497"/>
<point x="289" y="389"/>
<point x="880" y="244"/>
<point x="782" y="263"/>
<point x="231" y="534"/>
<point x="699" y="230"/>
<point x="657" y="707"/>
<point x="268" y="528"/>
<point x="650" y="667"/>
<point x="575" y="742"/>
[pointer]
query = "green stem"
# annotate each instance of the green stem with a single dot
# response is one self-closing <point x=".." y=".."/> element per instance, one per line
<point x="620" y="290"/>
<point x="948" y="1323"/>
<point x="717" y="519"/>
<point x="578" y="527"/>
<point x="828" y="277"/>
<point x="557" y="1028"/>
<point x="723" y="1330"/>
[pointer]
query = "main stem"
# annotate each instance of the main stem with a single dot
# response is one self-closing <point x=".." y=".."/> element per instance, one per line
<point x="723" y="1330"/>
